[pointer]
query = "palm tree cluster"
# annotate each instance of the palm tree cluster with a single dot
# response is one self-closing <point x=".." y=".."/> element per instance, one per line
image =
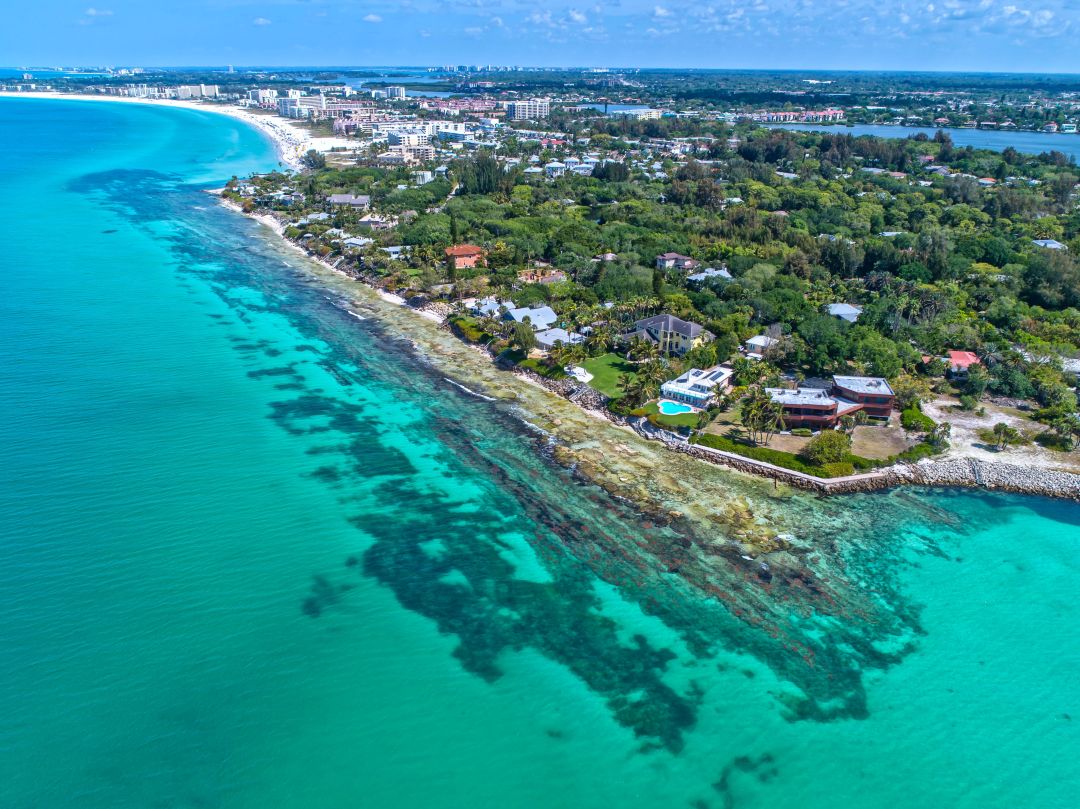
<point x="645" y="384"/>
<point x="760" y="415"/>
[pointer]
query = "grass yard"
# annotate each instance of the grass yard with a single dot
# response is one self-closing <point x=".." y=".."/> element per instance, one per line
<point x="725" y="421"/>
<point x="606" y="370"/>
<point x="879" y="441"/>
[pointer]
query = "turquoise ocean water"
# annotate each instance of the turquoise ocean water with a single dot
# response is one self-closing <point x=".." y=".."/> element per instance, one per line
<point x="254" y="553"/>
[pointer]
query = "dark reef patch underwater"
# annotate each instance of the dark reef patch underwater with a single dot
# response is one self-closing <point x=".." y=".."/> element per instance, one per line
<point x="814" y="622"/>
<point x="256" y="551"/>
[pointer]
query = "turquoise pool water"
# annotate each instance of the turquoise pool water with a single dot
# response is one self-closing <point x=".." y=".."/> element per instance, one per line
<point x="669" y="408"/>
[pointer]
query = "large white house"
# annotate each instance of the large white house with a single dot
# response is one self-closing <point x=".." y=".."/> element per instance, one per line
<point x="697" y="387"/>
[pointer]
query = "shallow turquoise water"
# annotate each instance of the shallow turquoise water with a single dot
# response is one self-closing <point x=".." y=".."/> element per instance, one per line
<point x="233" y="577"/>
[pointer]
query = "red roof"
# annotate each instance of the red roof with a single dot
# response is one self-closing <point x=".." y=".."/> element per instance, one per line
<point x="464" y="250"/>
<point x="962" y="359"/>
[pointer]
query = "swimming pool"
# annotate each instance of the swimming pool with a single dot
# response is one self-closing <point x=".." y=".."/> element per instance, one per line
<point x="669" y="408"/>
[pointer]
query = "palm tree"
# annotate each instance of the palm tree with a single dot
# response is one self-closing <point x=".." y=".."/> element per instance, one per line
<point x="597" y="341"/>
<point x="760" y="415"/>
<point x="578" y="354"/>
<point x="1005" y="435"/>
<point x="632" y="389"/>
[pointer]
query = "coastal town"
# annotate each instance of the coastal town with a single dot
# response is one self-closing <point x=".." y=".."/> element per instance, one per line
<point x="807" y="302"/>
<point x="439" y="405"/>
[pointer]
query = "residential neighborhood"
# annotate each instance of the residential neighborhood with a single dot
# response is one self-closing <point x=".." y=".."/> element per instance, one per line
<point x="692" y="269"/>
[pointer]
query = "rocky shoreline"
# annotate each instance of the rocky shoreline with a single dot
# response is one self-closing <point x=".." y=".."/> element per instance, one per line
<point x="946" y="472"/>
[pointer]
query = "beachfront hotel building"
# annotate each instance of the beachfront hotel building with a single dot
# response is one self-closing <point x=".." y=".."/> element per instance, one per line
<point x="319" y="107"/>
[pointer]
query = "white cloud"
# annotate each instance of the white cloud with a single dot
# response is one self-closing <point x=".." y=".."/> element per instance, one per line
<point x="660" y="11"/>
<point x="577" y="16"/>
<point x="372" y="18"/>
<point x="98" y="12"/>
<point x="260" y="21"/>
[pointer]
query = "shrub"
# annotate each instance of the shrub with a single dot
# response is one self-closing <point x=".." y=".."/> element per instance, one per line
<point x="827" y="448"/>
<point x="773" y="456"/>
<point x="776" y="457"/>
<point x="837" y="469"/>
<point x="802" y="432"/>
<point x="914" y="420"/>
<point x="863" y="464"/>
<point x="1052" y="440"/>
<point x="912" y="454"/>
<point x="543" y="368"/>
<point x="468" y="329"/>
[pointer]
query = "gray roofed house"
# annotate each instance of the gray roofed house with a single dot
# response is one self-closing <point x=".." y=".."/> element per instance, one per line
<point x="758" y="344"/>
<point x="396" y="252"/>
<point x="540" y="318"/>
<point x="845" y="311"/>
<point x="352" y="200"/>
<point x="549" y="337"/>
<point x="795" y="397"/>
<point x="672" y="334"/>
<point x="676" y="261"/>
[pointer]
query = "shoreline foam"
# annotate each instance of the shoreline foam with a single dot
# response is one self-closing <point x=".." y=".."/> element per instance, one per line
<point x="290" y="141"/>
<point x="948" y="471"/>
<point x="956" y="471"/>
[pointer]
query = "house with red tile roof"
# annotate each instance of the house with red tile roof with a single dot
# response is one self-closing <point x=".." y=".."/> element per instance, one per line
<point x="960" y="361"/>
<point x="465" y="256"/>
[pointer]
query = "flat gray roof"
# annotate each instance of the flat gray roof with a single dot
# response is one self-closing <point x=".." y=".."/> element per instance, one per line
<point x="864" y="384"/>
<point x="801" y="396"/>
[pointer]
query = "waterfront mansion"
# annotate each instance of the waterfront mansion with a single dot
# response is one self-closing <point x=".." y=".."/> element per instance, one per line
<point x="822" y="408"/>
<point x="696" y="387"/>
<point x="673" y="335"/>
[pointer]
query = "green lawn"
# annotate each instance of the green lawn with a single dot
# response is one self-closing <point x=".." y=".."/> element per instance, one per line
<point x="606" y="370"/>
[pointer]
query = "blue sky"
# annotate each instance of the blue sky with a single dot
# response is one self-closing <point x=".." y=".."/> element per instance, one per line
<point x="985" y="35"/>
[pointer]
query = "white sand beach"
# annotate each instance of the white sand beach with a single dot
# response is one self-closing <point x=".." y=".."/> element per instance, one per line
<point x="292" y="141"/>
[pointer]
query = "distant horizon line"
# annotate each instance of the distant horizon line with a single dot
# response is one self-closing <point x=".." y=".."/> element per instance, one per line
<point x="523" y="68"/>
